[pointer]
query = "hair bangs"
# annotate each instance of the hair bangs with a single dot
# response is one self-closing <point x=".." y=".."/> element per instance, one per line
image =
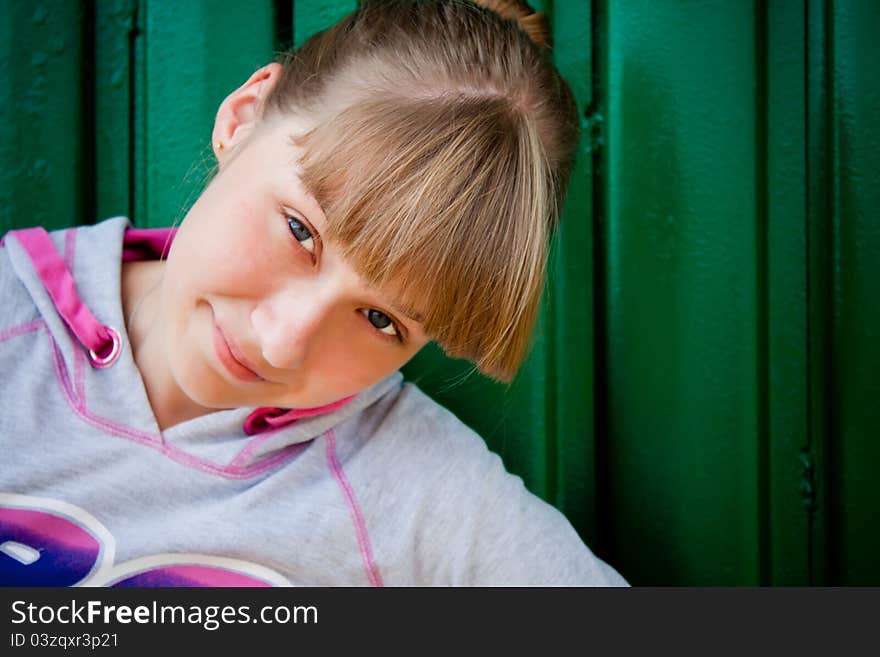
<point x="425" y="197"/>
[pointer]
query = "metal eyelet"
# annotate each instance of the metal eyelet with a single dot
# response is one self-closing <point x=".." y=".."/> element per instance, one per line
<point x="115" y="349"/>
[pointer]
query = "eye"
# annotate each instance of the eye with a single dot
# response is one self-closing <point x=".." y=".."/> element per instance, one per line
<point x="382" y="322"/>
<point x="302" y="234"/>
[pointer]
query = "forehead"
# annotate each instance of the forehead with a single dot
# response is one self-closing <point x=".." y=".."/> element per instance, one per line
<point x="280" y="136"/>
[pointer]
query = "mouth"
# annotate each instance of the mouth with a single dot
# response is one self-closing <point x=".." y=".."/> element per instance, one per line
<point x="228" y="354"/>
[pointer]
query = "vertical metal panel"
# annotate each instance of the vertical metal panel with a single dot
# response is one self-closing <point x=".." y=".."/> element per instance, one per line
<point x="44" y="178"/>
<point x="311" y="16"/>
<point x="192" y="54"/>
<point x="782" y="295"/>
<point x="571" y="380"/>
<point x="680" y="243"/>
<point x="114" y="55"/>
<point x="819" y="178"/>
<point x="854" y="385"/>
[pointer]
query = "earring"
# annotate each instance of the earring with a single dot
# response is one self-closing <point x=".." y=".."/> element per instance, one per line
<point x="219" y="145"/>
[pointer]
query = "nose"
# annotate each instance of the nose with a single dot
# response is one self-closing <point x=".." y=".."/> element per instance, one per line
<point x="288" y="323"/>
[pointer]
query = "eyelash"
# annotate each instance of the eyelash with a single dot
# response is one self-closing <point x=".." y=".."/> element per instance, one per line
<point x="398" y="338"/>
<point x="288" y="218"/>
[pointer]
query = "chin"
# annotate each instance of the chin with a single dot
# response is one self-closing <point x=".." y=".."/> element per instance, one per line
<point x="304" y="398"/>
<point x="210" y="398"/>
<point x="204" y="387"/>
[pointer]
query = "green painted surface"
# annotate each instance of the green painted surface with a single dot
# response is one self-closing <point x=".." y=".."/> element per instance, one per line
<point x="572" y="444"/>
<point x="192" y="54"/>
<point x="852" y="385"/>
<point x="819" y="254"/>
<point x="114" y="55"/>
<point x="782" y="387"/>
<point x="45" y="163"/>
<point x="310" y="16"/>
<point x="701" y="397"/>
<point x="680" y="291"/>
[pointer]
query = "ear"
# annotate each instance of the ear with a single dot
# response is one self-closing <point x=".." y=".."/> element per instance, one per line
<point x="238" y="111"/>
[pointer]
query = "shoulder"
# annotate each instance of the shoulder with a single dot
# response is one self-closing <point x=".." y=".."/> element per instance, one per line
<point x="90" y="254"/>
<point x="410" y="424"/>
<point x="98" y="237"/>
<point x="413" y="410"/>
<point x="427" y="476"/>
<point x="75" y="243"/>
<point x="18" y="308"/>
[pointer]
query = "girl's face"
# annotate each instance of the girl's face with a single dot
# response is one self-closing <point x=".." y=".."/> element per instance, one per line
<point x="259" y="310"/>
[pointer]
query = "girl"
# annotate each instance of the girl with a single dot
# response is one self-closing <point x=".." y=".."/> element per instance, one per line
<point x="234" y="414"/>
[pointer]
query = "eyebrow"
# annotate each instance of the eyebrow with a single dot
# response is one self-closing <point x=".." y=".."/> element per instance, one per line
<point x="410" y="313"/>
<point x="407" y="311"/>
<point x="310" y="193"/>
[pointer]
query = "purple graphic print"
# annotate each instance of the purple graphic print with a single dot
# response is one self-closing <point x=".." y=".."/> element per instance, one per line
<point x="190" y="575"/>
<point x="40" y="548"/>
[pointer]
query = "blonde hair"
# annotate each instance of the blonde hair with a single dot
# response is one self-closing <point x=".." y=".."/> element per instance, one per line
<point x="442" y="145"/>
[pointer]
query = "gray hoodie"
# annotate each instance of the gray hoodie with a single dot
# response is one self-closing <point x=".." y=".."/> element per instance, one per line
<point x="389" y="488"/>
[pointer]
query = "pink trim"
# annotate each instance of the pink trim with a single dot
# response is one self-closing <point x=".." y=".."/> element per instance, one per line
<point x="79" y="375"/>
<point x="79" y="359"/>
<point x="146" y="243"/>
<point x="267" y="421"/>
<point x="268" y="417"/>
<point x="252" y="446"/>
<point x="21" y="329"/>
<point x="359" y="524"/>
<point x="70" y="248"/>
<point x="156" y="442"/>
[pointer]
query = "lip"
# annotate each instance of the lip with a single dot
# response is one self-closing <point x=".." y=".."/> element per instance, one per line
<point x="232" y="359"/>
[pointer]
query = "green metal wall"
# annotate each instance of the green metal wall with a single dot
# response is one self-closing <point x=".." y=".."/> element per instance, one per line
<point x="702" y="398"/>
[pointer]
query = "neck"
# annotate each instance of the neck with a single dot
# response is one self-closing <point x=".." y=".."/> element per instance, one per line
<point x="141" y="307"/>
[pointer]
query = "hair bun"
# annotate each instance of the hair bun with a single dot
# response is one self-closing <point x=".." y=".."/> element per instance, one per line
<point x="533" y="24"/>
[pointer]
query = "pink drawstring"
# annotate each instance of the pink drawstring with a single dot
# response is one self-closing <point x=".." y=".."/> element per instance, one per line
<point x="102" y="342"/>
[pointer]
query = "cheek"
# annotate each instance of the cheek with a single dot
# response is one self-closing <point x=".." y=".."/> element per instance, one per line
<point x="233" y="257"/>
<point x="352" y="371"/>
